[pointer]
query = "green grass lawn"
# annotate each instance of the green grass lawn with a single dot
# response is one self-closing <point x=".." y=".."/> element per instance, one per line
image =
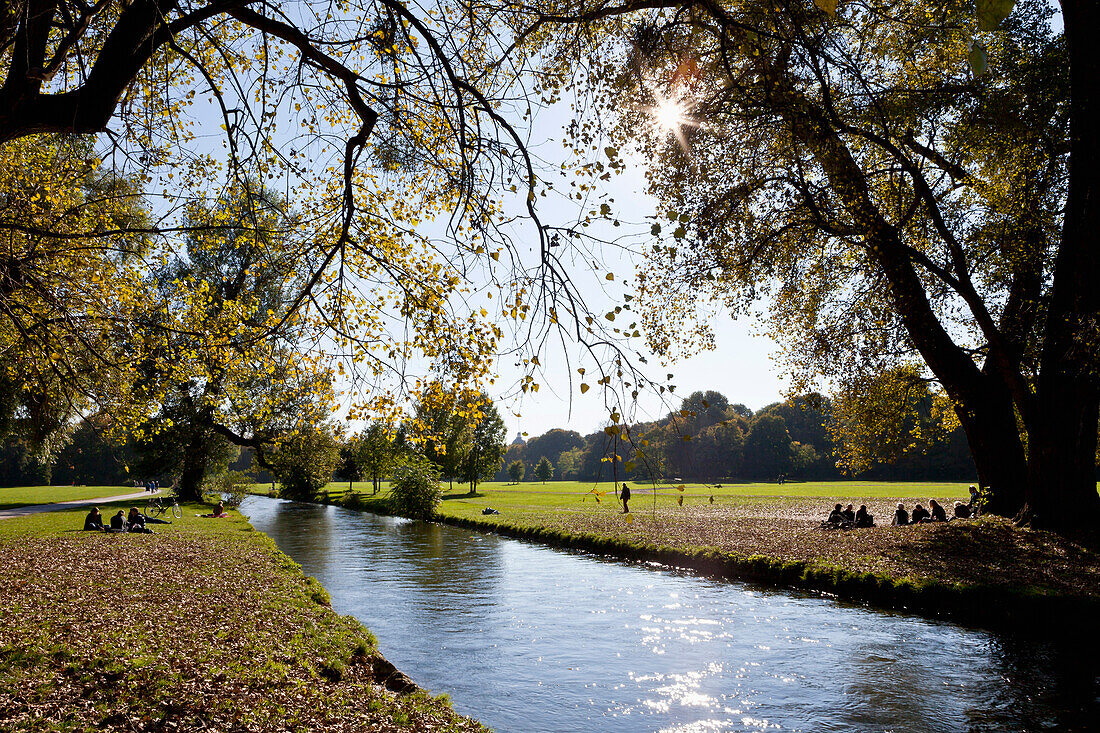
<point x="564" y="493"/>
<point x="19" y="496"/>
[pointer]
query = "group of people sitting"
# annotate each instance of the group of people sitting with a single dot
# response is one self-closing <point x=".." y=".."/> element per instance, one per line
<point x="936" y="513"/>
<point x="840" y="518"/>
<point x="846" y="518"/>
<point x="120" y="522"/>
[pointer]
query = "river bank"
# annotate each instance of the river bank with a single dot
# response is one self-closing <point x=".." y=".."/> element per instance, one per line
<point x="204" y="625"/>
<point x="982" y="571"/>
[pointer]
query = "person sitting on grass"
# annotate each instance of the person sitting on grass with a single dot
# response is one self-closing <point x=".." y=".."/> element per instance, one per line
<point x="218" y="513"/>
<point x="135" y="522"/>
<point x="920" y="514"/>
<point x="863" y="519"/>
<point x="836" y="519"/>
<point x="849" y="515"/>
<point x="94" y="520"/>
<point x="962" y="511"/>
<point x="938" y="513"/>
<point x="975" y="503"/>
<point x="901" y="517"/>
<point x="118" y="522"/>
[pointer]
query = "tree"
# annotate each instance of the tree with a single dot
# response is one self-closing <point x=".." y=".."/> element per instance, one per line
<point x="551" y="445"/>
<point x="303" y="463"/>
<point x="415" y="491"/>
<point x="767" y="448"/>
<point x="376" y="454"/>
<point x="881" y="421"/>
<point x="378" y="116"/>
<point x="515" y="471"/>
<point x="487" y="447"/>
<point x="544" y="471"/>
<point x="939" y="205"/>
<point x="230" y="371"/>
<point x="68" y="306"/>
<point x="347" y="465"/>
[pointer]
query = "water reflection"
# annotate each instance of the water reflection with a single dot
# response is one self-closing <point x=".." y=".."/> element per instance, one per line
<point x="525" y="638"/>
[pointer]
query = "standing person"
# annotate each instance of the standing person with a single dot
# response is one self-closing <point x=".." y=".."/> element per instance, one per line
<point x="625" y="496"/>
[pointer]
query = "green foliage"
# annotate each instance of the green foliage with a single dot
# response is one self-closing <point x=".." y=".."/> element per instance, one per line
<point x="304" y="463"/>
<point x="415" y="490"/>
<point x="231" y="487"/>
<point x="544" y="471"/>
<point x="515" y="471"/>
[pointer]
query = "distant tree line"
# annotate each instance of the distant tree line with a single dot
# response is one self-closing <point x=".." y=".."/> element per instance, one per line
<point x="463" y="435"/>
<point x="710" y="439"/>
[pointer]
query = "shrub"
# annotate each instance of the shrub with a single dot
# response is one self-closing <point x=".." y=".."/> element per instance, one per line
<point x="231" y="487"/>
<point x="414" y="491"/>
<point x="304" y="462"/>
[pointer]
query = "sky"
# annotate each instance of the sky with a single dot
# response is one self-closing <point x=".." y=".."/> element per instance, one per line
<point x="741" y="366"/>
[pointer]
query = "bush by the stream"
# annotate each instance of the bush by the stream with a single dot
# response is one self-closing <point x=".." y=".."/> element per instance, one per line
<point x="415" y="490"/>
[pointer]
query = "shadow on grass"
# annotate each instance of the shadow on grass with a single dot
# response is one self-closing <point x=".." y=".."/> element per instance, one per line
<point x="995" y="552"/>
<point x="462" y="495"/>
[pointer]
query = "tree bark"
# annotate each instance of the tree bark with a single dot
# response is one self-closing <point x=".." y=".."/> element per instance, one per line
<point x="1061" y="488"/>
<point x="194" y="469"/>
<point x="989" y="422"/>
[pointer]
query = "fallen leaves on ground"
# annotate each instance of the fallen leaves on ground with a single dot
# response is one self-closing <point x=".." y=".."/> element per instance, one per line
<point x="983" y="551"/>
<point x="187" y="630"/>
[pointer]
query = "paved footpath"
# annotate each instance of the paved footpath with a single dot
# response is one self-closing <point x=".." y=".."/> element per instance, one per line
<point x="37" y="508"/>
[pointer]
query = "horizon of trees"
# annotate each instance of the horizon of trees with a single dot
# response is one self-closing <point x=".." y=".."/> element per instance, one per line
<point x="707" y="440"/>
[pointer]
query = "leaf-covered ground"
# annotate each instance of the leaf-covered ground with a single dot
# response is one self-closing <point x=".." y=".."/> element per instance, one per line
<point x="203" y="626"/>
<point x="986" y="551"/>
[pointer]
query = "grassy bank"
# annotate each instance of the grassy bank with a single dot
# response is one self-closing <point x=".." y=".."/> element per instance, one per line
<point x="984" y="570"/>
<point x="202" y="626"/>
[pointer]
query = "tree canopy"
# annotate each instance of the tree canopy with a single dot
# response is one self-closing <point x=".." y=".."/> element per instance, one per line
<point x="908" y="184"/>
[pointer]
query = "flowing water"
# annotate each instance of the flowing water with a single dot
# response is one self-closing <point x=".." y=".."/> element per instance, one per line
<point x="526" y="638"/>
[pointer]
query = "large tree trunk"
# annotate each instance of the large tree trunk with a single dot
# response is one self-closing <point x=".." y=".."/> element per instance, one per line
<point x="194" y="469"/>
<point x="989" y="421"/>
<point x="1061" y="488"/>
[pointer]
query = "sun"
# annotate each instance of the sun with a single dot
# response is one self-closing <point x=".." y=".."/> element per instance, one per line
<point x="669" y="114"/>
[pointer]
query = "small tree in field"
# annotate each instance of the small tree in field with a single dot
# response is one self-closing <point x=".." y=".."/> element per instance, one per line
<point x="515" y="471"/>
<point x="544" y="470"/>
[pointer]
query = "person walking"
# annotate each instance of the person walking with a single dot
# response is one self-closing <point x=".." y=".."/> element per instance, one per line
<point x="625" y="496"/>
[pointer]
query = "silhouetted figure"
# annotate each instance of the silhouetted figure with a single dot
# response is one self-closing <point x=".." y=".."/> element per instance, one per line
<point x="836" y="516"/>
<point x="849" y="515"/>
<point x="901" y="517"/>
<point x="919" y="515"/>
<point x="938" y="513"/>
<point x="118" y="522"/>
<point x="975" y="503"/>
<point x="962" y="511"/>
<point x="625" y="496"/>
<point x="863" y="519"/>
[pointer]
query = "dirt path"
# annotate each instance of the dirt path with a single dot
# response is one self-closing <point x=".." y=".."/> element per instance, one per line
<point x="75" y="504"/>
